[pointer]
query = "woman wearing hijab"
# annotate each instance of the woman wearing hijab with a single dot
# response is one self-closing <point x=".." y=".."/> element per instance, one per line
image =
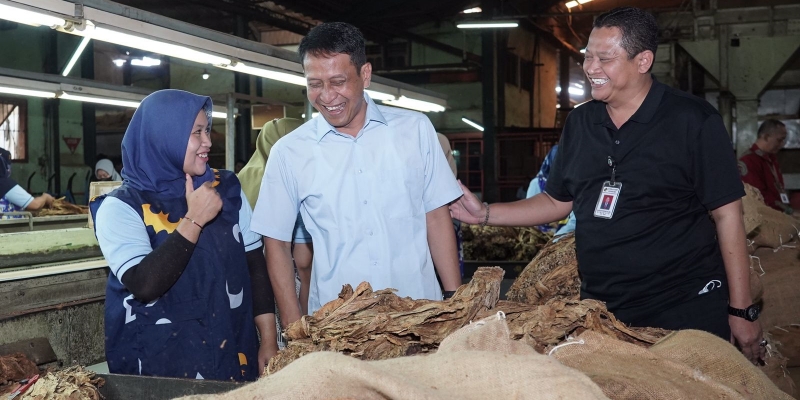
<point x="250" y="176"/>
<point x="13" y="197"/>
<point x="188" y="282"/>
<point x="104" y="171"/>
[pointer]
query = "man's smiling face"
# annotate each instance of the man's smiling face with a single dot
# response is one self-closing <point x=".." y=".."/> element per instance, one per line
<point x="336" y="90"/>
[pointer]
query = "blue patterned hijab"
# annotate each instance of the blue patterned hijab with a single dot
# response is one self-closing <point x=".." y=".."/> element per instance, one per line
<point x="154" y="145"/>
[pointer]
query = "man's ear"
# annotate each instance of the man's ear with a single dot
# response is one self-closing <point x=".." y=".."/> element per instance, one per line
<point x="366" y="74"/>
<point x="645" y="60"/>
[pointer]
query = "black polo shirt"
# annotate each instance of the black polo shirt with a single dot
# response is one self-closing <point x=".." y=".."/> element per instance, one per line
<point x="676" y="163"/>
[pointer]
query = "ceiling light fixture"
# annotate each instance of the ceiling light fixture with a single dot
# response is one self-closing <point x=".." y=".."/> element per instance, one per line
<point x="375" y="95"/>
<point x="571" y="4"/>
<point x="27" y="92"/>
<point x="32" y="18"/>
<point x="98" y="100"/>
<point x="583" y="1"/>
<point x="119" y="62"/>
<point x="239" y="66"/>
<point x="153" y="46"/>
<point x="472" y="10"/>
<point x="472" y="123"/>
<point x="487" y="24"/>
<point x="413" y="104"/>
<point x="76" y="56"/>
<point x="146" y="62"/>
<point x="205" y="75"/>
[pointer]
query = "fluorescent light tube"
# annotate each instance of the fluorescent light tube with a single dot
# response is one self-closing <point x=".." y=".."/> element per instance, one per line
<point x="27" y="92"/>
<point x="571" y="4"/>
<point x="266" y="73"/>
<point x="153" y="46"/>
<point x="145" y="62"/>
<point x="472" y="10"/>
<point x="99" y="100"/>
<point x="32" y="18"/>
<point x="219" y="114"/>
<point x="487" y="24"/>
<point x="583" y="1"/>
<point x="375" y="95"/>
<point x="419" y="105"/>
<point x="472" y="123"/>
<point x="76" y="56"/>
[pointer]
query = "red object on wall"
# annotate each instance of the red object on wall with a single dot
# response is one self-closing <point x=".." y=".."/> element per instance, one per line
<point x="72" y="143"/>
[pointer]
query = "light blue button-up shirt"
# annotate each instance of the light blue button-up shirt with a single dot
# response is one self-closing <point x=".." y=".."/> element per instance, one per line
<point x="363" y="200"/>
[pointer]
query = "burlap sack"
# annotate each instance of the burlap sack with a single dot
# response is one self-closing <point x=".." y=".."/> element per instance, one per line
<point x="776" y="228"/>
<point x="751" y="203"/>
<point x="786" y="340"/>
<point x="775" y="368"/>
<point x="781" y="299"/>
<point x="756" y="286"/>
<point x="477" y="362"/>
<point x="720" y="361"/>
<point x="552" y="273"/>
<point x="626" y="371"/>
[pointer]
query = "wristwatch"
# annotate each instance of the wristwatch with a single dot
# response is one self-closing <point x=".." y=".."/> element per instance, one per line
<point x="750" y="313"/>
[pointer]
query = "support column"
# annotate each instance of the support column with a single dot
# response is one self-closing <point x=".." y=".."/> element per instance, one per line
<point x="489" y="158"/>
<point x="563" y="79"/>
<point x="746" y="124"/>
<point x="244" y="125"/>
<point x="230" y="134"/>
<point x="88" y="111"/>
<point x="725" y="104"/>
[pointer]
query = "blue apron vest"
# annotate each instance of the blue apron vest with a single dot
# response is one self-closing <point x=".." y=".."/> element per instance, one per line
<point x="203" y="327"/>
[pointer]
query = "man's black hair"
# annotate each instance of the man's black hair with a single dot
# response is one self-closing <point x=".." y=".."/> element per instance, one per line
<point x="639" y="28"/>
<point x="333" y="38"/>
<point x="769" y="126"/>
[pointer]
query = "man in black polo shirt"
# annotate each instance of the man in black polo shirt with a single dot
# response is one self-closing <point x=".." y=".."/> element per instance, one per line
<point x="642" y="166"/>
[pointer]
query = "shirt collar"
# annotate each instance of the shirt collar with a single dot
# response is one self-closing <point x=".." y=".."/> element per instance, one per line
<point x="373" y="114"/>
<point x="644" y="113"/>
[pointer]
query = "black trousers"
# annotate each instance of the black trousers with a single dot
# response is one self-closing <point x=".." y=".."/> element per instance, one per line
<point x="707" y="312"/>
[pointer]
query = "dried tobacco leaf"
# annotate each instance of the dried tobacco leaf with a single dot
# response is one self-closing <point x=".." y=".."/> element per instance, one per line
<point x="61" y="206"/>
<point x="493" y="243"/>
<point x="73" y="383"/>
<point x="552" y="273"/>
<point x="379" y="325"/>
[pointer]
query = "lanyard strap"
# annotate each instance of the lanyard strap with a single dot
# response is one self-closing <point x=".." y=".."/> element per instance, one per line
<point x="774" y="175"/>
<point x="613" y="165"/>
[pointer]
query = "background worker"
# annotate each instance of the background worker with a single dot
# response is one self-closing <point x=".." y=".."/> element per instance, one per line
<point x="759" y="165"/>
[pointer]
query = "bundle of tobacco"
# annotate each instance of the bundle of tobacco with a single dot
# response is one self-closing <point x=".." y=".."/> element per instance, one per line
<point x="492" y="243"/>
<point x="73" y="383"/>
<point x="379" y="325"/>
<point x="61" y="206"/>
<point x="15" y="367"/>
<point x="552" y="273"/>
<point x="544" y="326"/>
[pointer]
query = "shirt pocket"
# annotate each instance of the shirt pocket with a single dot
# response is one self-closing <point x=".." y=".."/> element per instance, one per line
<point x="400" y="191"/>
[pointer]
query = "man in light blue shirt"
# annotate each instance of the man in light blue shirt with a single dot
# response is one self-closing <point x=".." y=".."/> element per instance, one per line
<point x="370" y="182"/>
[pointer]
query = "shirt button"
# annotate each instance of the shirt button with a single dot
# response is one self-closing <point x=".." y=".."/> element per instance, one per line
<point x="365" y="202"/>
<point x="616" y="141"/>
<point x="359" y="171"/>
<point x="370" y="233"/>
<point x="374" y="263"/>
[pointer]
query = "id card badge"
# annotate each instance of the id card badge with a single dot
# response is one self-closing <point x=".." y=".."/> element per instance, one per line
<point x="784" y="198"/>
<point x="607" y="201"/>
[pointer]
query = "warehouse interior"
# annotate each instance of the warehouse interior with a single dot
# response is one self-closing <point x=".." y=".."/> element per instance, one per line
<point x="73" y="72"/>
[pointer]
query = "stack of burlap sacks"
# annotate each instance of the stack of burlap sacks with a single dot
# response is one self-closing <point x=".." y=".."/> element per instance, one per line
<point x="774" y="250"/>
<point x="506" y="352"/>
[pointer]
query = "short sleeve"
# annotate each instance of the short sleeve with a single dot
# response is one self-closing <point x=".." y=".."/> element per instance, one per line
<point x="122" y="236"/>
<point x="440" y="186"/>
<point x="252" y="240"/>
<point x="717" y="179"/>
<point x="301" y="234"/>
<point x="276" y="210"/>
<point x="19" y="197"/>
<point x="555" y="186"/>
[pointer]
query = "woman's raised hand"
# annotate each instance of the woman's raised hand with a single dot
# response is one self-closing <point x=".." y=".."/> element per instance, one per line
<point x="204" y="203"/>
